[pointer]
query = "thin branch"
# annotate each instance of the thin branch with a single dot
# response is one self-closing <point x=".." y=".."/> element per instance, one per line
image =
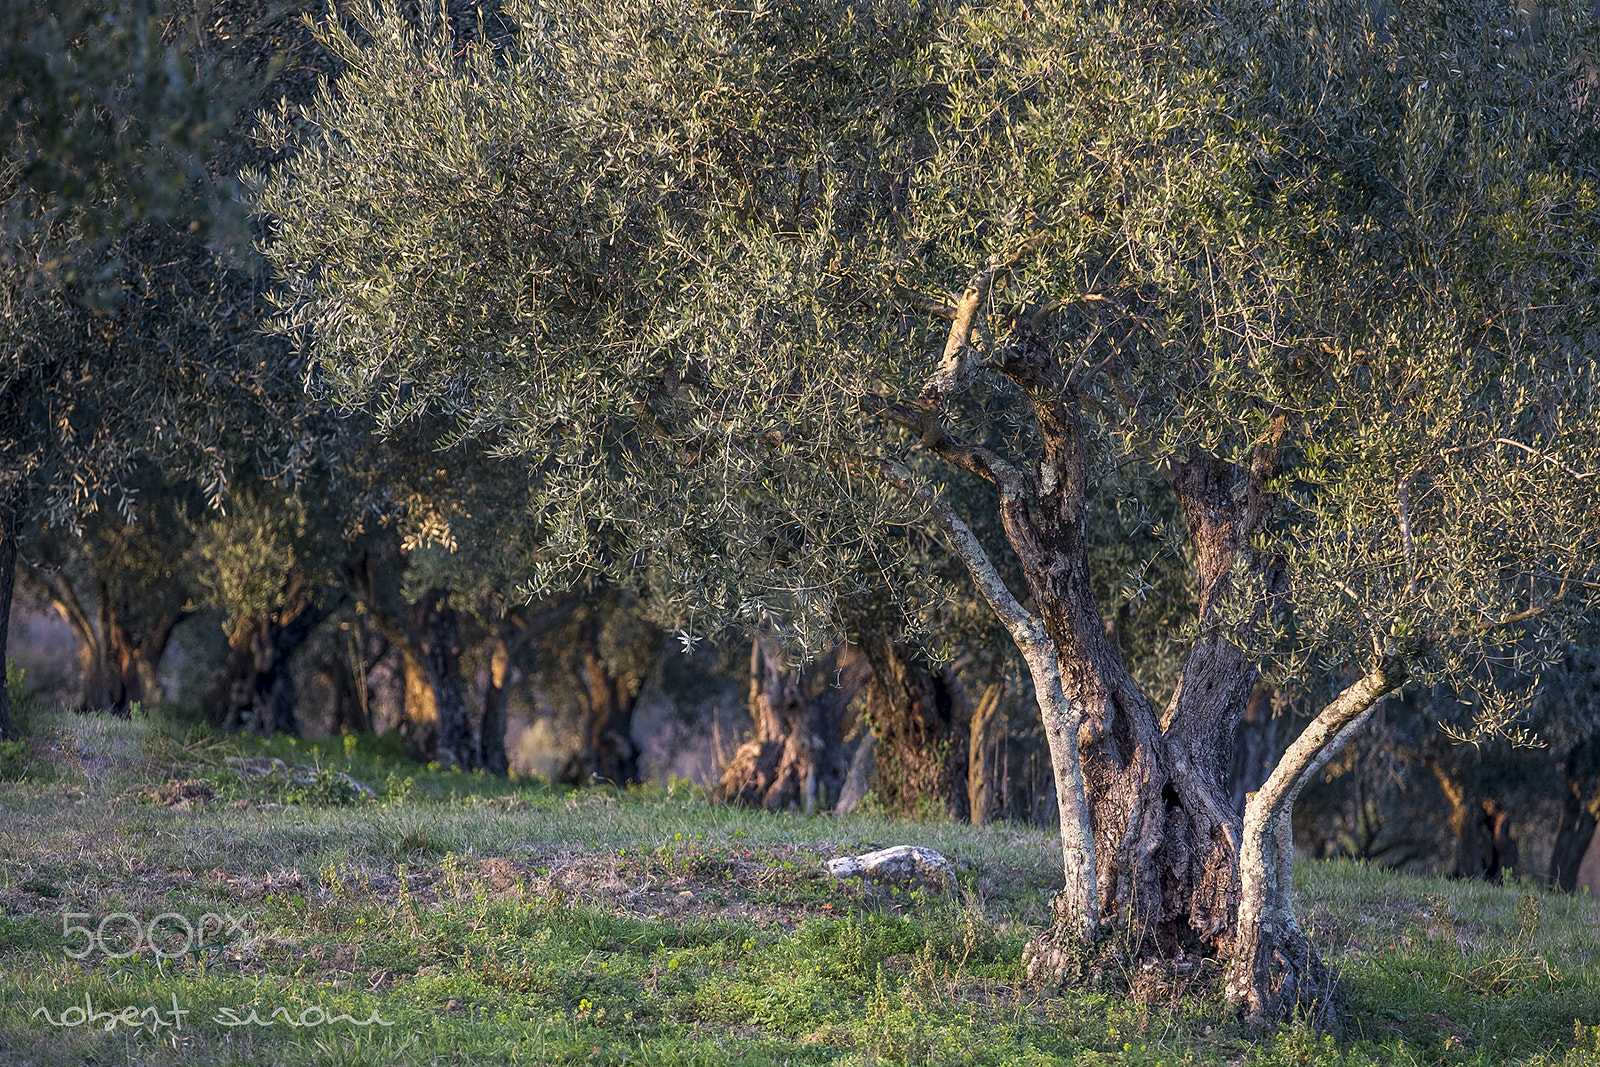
<point x="966" y="545"/>
<point x="1548" y="459"/>
<point x="976" y="459"/>
<point x="1403" y="505"/>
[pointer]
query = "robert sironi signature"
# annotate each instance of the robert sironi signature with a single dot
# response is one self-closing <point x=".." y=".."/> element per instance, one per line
<point x="136" y="1017"/>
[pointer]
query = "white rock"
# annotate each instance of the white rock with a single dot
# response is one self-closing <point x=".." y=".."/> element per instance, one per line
<point x="901" y="863"/>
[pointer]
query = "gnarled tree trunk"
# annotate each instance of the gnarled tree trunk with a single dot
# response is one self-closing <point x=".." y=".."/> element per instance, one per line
<point x="1168" y="867"/>
<point x="921" y="721"/>
<point x="796" y="759"/>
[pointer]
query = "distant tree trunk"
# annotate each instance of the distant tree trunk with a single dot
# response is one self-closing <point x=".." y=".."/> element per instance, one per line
<point x="426" y="634"/>
<point x="1254" y="748"/>
<point x="1580" y="812"/>
<point x="512" y="636"/>
<point x="796" y="760"/>
<point x="921" y="718"/>
<point x="1481" y="827"/>
<point x="437" y="630"/>
<point x="988" y="726"/>
<point x="8" y="581"/>
<point x="119" y="664"/>
<point x="255" y="689"/>
<point x="438" y="723"/>
<point x="606" y="750"/>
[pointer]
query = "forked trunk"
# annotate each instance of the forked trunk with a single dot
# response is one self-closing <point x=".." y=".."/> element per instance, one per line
<point x="1275" y="969"/>
<point x="1167" y="863"/>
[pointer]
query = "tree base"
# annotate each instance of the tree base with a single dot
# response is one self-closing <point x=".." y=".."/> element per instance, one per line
<point x="1060" y="958"/>
<point x="1279" y="979"/>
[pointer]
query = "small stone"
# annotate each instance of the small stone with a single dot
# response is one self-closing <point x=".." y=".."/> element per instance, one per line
<point x="901" y="863"/>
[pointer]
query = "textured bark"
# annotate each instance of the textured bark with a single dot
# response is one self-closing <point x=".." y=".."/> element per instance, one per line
<point x="8" y="583"/>
<point x="796" y="759"/>
<point x="1274" y="969"/>
<point x="1580" y="812"/>
<point x="988" y="726"/>
<point x="921" y="718"/>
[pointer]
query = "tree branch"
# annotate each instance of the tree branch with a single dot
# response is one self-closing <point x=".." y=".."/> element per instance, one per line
<point x="957" y="367"/>
<point x="924" y="422"/>
<point x="1017" y="619"/>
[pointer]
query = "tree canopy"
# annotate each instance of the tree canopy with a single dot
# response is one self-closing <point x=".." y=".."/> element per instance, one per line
<point x="762" y="296"/>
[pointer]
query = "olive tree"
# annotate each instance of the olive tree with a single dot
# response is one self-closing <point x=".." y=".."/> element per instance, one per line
<point x="128" y="324"/>
<point x="763" y="296"/>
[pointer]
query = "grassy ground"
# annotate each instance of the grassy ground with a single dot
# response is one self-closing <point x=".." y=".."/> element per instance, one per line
<point x="455" y="919"/>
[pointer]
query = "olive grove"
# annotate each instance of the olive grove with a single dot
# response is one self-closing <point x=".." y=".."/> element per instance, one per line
<point x="763" y="299"/>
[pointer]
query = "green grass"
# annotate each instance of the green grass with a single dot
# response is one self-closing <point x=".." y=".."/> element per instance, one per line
<point x="518" y="922"/>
